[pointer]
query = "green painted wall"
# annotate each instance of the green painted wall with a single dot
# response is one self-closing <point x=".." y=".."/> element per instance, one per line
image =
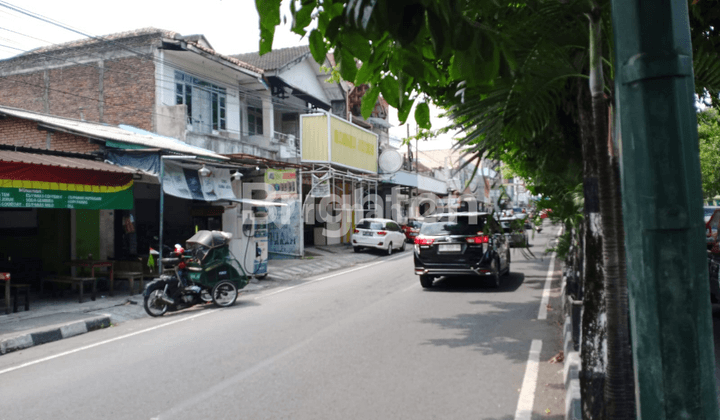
<point x="54" y="239"/>
<point x="87" y="231"/>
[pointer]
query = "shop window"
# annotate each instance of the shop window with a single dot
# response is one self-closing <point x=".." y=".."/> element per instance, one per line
<point x="255" y="120"/>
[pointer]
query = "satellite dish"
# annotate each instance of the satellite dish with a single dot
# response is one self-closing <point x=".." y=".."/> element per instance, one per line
<point x="390" y="161"/>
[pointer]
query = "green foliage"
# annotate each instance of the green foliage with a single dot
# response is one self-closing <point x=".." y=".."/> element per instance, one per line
<point x="405" y="46"/>
<point x="709" y="142"/>
<point x="563" y="245"/>
<point x="368" y="101"/>
<point x="508" y="73"/>
<point x="422" y="115"/>
<point x="704" y="26"/>
<point x="567" y="207"/>
<point x="270" y="12"/>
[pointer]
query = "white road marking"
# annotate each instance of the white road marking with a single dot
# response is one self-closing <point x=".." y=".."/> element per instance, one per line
<point x="527" y="392"/>
<point x="69" y="352"/>
<point x="542" y="314"/>
<point x="329" y="276"/>
<point x="55" y="356"/>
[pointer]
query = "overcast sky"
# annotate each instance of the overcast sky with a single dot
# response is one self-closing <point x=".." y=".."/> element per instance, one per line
<point x="231" y="27"/>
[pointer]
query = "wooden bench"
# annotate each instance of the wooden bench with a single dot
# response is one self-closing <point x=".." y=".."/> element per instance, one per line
<point x="129" y="270"/>
<point x="80" y="281"/>
<point x="12" y="291"/>
<point x="15" y="290"/>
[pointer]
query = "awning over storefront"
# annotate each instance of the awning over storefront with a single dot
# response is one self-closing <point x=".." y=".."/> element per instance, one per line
<point x="184" y="181"/>
<point x="123" y="136"/>
<point x="422" y="182"/>
<point x="48" y="181"/>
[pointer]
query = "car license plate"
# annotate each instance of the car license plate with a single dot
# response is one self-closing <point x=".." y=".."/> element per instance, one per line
<point x="367" y="233"/>
<point x="449" y="248"/>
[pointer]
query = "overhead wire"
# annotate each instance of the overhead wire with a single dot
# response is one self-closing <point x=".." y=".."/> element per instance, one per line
<point x="246" y="93"/>
<point x="141" y="110"/>
<point x="285" y="105"/>
<point x="100" y="39"/>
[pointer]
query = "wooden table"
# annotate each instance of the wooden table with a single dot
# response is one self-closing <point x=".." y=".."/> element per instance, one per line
<point x="92" y="265"/>
<point x="80" y="280"/>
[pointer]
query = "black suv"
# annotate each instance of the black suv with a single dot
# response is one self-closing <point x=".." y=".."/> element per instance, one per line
<point x="461" y="244"/>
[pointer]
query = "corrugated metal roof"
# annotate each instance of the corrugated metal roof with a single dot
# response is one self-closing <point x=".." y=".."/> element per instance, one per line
<point x="108" y="132"/>
<point x="59" y="161"/>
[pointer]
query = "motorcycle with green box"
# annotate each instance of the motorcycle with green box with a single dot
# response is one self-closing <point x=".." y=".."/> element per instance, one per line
<point x="207" y="268"/>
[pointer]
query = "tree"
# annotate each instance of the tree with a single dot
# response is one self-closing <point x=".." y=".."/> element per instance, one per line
<point x="709" y="137"/>
<point x="519" y="80"/>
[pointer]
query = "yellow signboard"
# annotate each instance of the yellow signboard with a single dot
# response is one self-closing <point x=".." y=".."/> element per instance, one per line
<point x="314" y="138"/>
<point x="329" y="139"/>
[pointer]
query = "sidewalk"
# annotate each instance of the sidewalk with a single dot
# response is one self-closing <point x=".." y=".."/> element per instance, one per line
<point x="54" y="318"/>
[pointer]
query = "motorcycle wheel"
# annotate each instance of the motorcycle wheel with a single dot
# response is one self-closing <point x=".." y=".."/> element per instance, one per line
<point x="155" y="306"/>
<point x="224" y="294"/>
<point x="205" y="296"/>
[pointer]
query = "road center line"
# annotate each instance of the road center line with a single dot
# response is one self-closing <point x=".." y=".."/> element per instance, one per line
<point x="527" y="392"/>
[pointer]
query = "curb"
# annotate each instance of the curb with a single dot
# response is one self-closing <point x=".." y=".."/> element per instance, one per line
<point x="572" y="365"/>
<point x="55" y="333"/>
<point x="41" y="335"/>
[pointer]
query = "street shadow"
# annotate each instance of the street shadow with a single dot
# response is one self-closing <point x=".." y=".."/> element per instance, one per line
<point x="495" y="328"/>
<point x="239" y="304"/>
<point x="474" y="284"/>
<point x="383" y="252"/>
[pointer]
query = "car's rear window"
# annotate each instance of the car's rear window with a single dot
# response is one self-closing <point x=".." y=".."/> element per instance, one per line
<point x="461" y="226"/>
<point x="366" y="224"/>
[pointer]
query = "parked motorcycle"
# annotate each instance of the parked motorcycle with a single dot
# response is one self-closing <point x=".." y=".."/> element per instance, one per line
<point x="210" y="271"/>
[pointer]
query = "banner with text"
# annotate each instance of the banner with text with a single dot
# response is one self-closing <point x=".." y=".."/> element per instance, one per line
<point x="24" y="185"/>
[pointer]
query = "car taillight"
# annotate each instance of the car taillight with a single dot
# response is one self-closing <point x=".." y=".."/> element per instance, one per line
<point x="424" y="241"/>
<point x="356" y="231"/>
<point x="382" y="233"/>
<point x="478" y="240"/>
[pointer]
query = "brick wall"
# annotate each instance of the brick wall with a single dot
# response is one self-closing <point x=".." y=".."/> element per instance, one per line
<point x="24" y="91"/>
<point x="23" y="133"/>
<point x="112" y="91"/>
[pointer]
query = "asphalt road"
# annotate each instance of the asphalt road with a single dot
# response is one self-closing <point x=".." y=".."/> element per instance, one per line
<point x="363" y="343"/>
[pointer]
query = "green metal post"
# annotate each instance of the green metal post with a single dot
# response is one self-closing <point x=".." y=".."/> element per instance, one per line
<point x="162" y="212"/>
<point x="671" y="320"/>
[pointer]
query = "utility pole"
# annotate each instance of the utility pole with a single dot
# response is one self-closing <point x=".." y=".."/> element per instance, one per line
<point x="670" y="314"/>
<point x="410" y="155"/>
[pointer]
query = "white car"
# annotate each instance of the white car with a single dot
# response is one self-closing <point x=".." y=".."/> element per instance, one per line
<point x="382" y="234"/>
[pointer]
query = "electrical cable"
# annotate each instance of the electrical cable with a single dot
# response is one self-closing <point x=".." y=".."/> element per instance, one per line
<point x="106" y="105"/>
<point x="145" y="56"/>
<point x="106" y="41"/>
<point x="284" y="105"/>
<point x="247" y="94"/>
